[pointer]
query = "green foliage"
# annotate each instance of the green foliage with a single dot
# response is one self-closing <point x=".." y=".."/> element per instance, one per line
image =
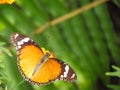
<point x="114" y="87"/>
<point x="1" y="44"/>
<point x="82" y="41"/>
<point x="116" y="73"/>
<point x="2" y="78"/>
<point x="117" y="2"/>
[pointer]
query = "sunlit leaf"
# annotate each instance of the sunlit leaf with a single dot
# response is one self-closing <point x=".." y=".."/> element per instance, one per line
<point x="115" y="73"/>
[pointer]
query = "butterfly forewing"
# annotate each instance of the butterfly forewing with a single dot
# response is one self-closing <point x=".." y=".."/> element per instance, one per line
<point x="29" y="54"/>
<point x="29" y="57"/>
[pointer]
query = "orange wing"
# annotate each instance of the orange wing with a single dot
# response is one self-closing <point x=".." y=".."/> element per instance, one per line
<point x="50" y="71"/>
<point x="30" y="56"/>
<point x="53" y="69"/>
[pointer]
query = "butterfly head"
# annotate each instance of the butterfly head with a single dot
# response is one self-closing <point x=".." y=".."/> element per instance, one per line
<point x="46" y="51"/>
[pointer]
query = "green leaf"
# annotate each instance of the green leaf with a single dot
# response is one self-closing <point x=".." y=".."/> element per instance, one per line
<point x="5" y="50"/>
<point x="2" y="26"/>
<point x="2" y="43"/>
<point x="117" y="2"/>
<point x="114" y="87"/>
<point x="115" y="73"/>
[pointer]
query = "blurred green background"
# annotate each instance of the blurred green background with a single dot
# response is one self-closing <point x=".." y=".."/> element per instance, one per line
<point x="87" y="42"/>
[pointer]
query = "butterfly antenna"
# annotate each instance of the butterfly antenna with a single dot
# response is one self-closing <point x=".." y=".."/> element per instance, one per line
<point x="15" y="88"/>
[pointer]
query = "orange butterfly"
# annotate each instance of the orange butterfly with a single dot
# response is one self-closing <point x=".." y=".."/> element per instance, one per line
<point x="37" y="65"/>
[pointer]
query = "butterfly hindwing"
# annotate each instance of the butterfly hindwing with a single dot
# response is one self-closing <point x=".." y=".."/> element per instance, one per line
<point x="30" y="55"/>
<point x="67" y="73"/>
<point x="54" y="69"/>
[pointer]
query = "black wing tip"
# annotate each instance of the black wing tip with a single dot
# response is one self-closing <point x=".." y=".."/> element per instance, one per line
<point x="67" y="73"/>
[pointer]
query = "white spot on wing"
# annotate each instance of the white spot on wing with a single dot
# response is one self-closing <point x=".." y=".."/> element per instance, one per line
<point x="23" y="41"/>
<point x="66" y="70"/>
<point x="18" y="47"/>
<point x="73" y="76"/>
<point x="61" y="76"/>
<point x="16" y="36"/>
<point x="20" y="43"/>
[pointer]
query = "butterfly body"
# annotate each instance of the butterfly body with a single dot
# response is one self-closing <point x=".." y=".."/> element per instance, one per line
<point x="39" y="67"/>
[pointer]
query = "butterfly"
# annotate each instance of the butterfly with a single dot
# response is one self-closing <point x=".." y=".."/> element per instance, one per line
<point x="37" y="65"/>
